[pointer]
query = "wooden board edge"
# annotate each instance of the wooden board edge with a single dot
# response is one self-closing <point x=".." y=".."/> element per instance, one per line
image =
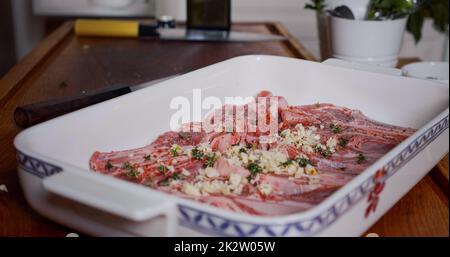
<point x="293" y="43"/>
<point x="12" y="80"/>
<point x="440" y="174"/>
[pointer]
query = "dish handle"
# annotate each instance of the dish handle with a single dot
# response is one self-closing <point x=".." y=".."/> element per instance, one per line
<point x="113" y="196"/>
<point x="363" y="67"/>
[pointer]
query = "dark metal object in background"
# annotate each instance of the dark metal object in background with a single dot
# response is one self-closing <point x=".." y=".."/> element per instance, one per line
<point x="7" y="46"/>
<point x="209" y="14"/>
<point x="114" y="28"/>
<point x="342" y="12"/>
<point x="214" y="35"/>
<point x="167" y="22"/>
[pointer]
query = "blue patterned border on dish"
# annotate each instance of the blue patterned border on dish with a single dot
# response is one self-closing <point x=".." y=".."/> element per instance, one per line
<point x="215" y="224"/>
<point x="212" y="223"/>
<point x="35" y="166"/>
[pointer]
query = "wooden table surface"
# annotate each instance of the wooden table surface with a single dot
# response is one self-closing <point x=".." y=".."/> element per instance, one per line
<point x="64" y="65"/>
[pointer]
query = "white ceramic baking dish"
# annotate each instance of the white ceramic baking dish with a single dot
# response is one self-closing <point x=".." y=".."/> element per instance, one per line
<point x="53" y="156"/>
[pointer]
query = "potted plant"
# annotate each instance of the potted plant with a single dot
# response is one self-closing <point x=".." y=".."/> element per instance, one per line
<point x="373" y="32"/>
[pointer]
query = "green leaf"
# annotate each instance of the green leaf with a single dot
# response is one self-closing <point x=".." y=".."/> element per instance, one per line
<point x="414" y="26"/>
<point x="317" y="5"/>
<point x="439" y="12"/>
<point x="389" y="9"/>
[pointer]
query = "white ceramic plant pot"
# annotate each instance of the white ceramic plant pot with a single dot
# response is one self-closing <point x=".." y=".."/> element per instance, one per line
<point x="369" y="42"/>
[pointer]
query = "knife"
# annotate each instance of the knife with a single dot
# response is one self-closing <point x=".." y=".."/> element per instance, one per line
<point x="116" y="28"/>
<point x="32" y="114"/>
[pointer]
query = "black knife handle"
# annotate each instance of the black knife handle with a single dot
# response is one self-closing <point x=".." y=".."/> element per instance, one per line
<point x="148" y="31"/>
<point x="32" y="114"/>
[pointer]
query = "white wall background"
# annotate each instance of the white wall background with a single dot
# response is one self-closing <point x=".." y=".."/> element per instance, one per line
<point x="28" y="29"/>
<point x="302" y="24"/>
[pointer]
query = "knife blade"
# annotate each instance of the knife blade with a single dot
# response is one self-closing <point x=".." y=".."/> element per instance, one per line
<point x="32" y="114"/>
<point x="115" y="28"/>
<point x="214" y="35"/>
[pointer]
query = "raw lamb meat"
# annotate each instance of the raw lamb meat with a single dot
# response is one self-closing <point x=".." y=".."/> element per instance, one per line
<point x="317" y="149"/>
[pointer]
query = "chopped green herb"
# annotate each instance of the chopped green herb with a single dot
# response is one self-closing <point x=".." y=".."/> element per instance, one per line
<point x="317" y="149"/>
<point x="175" y="176"/>
<point x="287" y="163"/>
<point x="326" y="153"/>
<point x="162" y="168"/>
<point x="148" y="157"/>
<point x="174" y="152"/>
<point x="127" y="166"/>
<point x="210" y="160"/>
<point x="133" y="173"/>
<point x="303" y="162"/>
<point x="109" y="165"/>
<point x="197" y="154"/>
<point x="335" y="128"/>
<point x="251" y="146"/>
<point x="254" y="169"/>
<point x="242" y="150"/>
<point x="184" y="135"/>
<point x="361" y="158"/>
<point x="343" y="142"/>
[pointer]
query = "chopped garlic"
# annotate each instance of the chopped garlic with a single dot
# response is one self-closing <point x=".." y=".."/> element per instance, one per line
<point x="301" y="137"/>
<point x="265" y="189"/>
<point x="244" y="158"/>
<point x="211" y="172"/>
<point x="190" y="189"/>
<point x="185" y="172"/>
<point x="331" y="144"/>
<point x="175" y="183"/>
<point x="310" y="170"/>
<point x="307" y="149"/>
<point x="235" y="179"/>
<point x="300" y="171"/>
<point x="211" y="187"/>
<point x="234" y="160"/>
